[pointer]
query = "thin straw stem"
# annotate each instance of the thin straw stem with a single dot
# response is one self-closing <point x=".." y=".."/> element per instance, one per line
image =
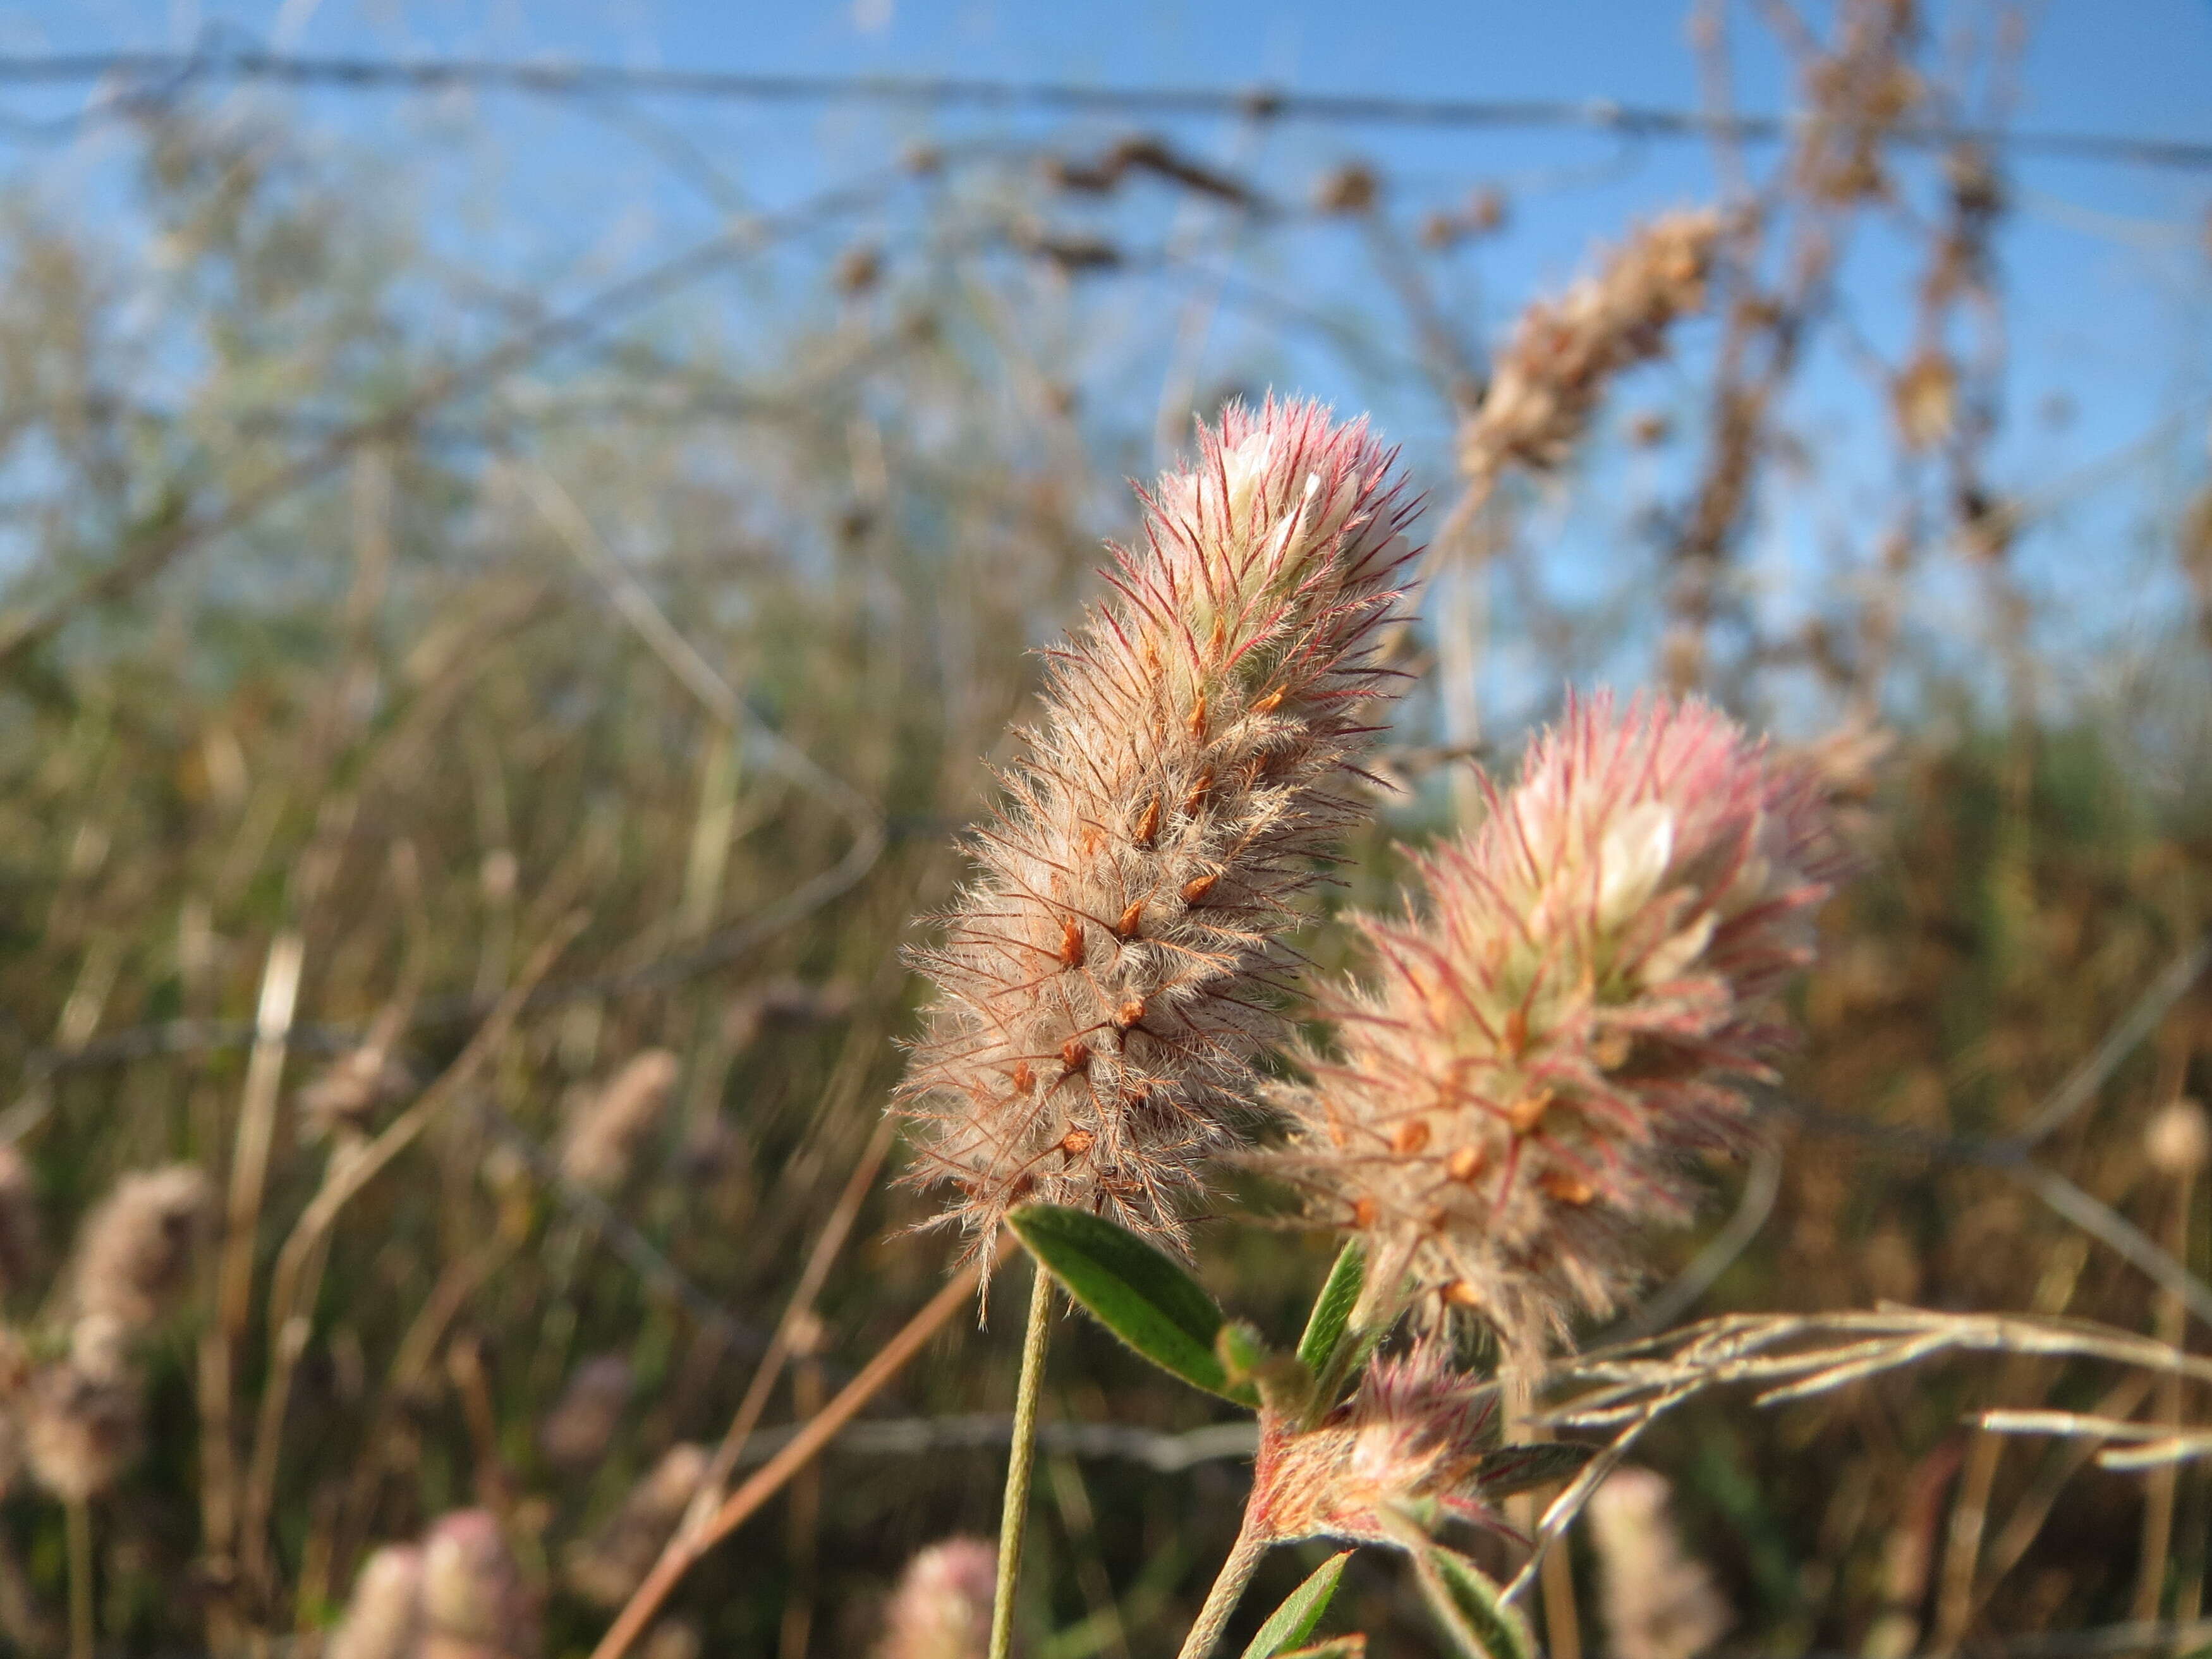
<point x="1228" y="1588"/>
<point x="770" y="1368"/>
<point x="79" y="1577"/>
<point x="1021" y="1458"/>
<point x="772" y="1475"/>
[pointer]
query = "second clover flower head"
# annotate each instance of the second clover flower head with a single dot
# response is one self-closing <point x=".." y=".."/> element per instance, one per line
<point x="1408" y="1446"/>
<point x="1539" y="1057"/>
<point x="1108" y="978"/>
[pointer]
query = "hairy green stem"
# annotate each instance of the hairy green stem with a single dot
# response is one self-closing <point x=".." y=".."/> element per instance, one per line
<point x="1014" y="1517"/>
<point x="79" y="1513"/>
<point x="1228" y="1586"/>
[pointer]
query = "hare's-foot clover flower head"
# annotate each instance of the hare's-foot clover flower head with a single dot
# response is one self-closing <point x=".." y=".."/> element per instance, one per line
<point x="1408" y="1446"/>
<point x="942" y="1609"/>
<point x="1106" y="980"/>
<point x="1538" y="1058"/>
<point x="1659" y="1600"/>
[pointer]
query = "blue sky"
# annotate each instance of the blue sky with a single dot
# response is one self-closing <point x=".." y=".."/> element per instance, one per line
<point x="2105" y="267"/>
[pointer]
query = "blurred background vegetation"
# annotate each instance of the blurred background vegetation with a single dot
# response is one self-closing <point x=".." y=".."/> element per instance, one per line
<point x="380" y="637"/>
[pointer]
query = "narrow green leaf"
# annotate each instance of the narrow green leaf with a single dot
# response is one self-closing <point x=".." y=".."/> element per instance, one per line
<point x="1469" y="1606"/>
<point x="1301" y="1611"/>
<point x="1354" y="1646"/>
<point x="1505" y="1470"/>
<point x="1134" y="1290"/>
<point x="1332" y="1308"/>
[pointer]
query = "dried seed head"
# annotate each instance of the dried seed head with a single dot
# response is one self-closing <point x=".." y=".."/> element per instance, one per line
<point x="348" y="1094"/>
<point x="473" y="1590"/>
<point x="1659" y="1601"/>
<point x="135" y="1249"/>
<point x="1575" y="1016"/>
<point x="2178" y="1141"/>
<point x="1551" y="372"/>
<point x="607" y="1130"/>
<point x="1206" y="717"/>
<point x="384" y="1615"/>
<point x="942" y="1608"/>
<point x="607" y="1566"/>
<point x="80" y="1431"/>
<point x="99" y="1347"/>
<point x="578" y="1430"/>
<point x="1350" y="187"/>
<point x="1412" y="1436"/>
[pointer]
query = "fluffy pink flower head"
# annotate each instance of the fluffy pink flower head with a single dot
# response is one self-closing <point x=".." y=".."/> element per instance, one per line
<point x="1107" y="980"/>
<point x="942" y="1609"/>
<point x="474" y="1597"/>
<point x="1410" y="1442"/>
<point x="1539" y="1059"/>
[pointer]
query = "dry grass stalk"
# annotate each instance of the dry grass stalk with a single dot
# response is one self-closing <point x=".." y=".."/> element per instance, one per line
<point x="19" y="1222"/>
<point x="608" y="1566"/>
<point x="1106" y="981"/>
<point x="345" y="1097"/>
<point x="1625" y="1389"/>
<point x="692" y="1543"/>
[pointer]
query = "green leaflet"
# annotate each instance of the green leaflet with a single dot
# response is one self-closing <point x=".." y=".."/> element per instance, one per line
<point x="1468" y="1607"/>
<point x="1134" y="1290"/>
<point x="1332" y="1308"/>
<point x="1301" y="1611"/>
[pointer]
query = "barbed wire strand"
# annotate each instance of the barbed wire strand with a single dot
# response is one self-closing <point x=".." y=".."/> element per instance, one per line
<point x="173" y="70"/>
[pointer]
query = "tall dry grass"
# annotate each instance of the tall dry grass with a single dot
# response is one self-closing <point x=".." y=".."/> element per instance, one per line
<point x="470" y="817"/>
